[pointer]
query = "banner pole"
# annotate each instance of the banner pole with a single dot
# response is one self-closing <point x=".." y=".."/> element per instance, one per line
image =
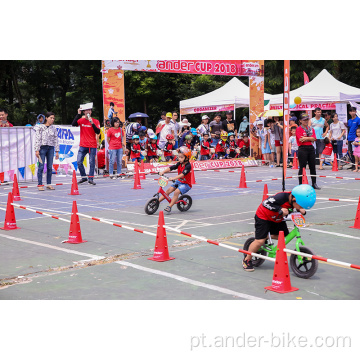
<point x="286" y="107"/>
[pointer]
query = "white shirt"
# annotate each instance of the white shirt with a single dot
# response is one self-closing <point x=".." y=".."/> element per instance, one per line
<point x="166" y="130"/>
<point x="336" y="129"/>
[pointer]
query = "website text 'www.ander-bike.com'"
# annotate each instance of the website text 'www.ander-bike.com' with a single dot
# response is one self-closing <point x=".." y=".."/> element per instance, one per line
<point x="273" y="340"/>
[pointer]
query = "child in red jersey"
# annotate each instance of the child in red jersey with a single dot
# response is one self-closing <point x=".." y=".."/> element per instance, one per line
<point x="153" y="149"/>
<point x="169" y="147"/>
<point x="183" y="180"/>
<point x="326" y="154"/>
<point x="136" y="148"/>
<point x="222" y="146"/>
<point x="205" y="146"/>
<point x="269" y="216"/>
<point x="233" y="149"/>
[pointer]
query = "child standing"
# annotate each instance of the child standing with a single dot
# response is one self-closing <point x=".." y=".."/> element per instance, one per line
<point x="293" y="146"/>
<point x="356" y="147"/>
<point x="326" y="153"/>
<point x="115" y="140"/>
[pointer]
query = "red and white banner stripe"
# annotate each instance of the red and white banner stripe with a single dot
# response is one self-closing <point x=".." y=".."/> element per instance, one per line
<point x="39" y="212"/>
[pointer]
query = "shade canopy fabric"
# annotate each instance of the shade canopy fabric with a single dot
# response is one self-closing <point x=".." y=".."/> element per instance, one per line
<point x="323" y="88"/>
<point x="233" y="92"/>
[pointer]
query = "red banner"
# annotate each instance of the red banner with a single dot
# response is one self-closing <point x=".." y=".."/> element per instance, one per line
<point x="307" y="106"/>
<point x="286" y="106"/>
<point x="209" y="67"/>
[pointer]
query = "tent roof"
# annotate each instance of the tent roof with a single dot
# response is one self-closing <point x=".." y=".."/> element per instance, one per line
<point x="323" y="88"/>
<point x="232" y="92"/>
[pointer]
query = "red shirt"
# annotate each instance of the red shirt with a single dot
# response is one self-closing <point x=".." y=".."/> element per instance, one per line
<point x="6" y="124"/>
<point x="87" y="133"/>
<point x="270" y="207"/>
<point x="204" y="151"/>
<point x="101" y="158"/>
<point x="300" y="132"/>
<point x="168" y="149"/>
<point x="137" y="147"/>
<point x="220" y="146"/>
<point x="115" y="136"/>
<point x="328" y="149"/>
<point x="232" y="145"/>
<point x="242" y="143"/>
<point x="152" y="147"/>
<point x="183" y="169"/>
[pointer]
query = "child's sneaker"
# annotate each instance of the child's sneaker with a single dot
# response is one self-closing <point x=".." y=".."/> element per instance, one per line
<point x="167" y="210"/>
<point x="247" y="265"/>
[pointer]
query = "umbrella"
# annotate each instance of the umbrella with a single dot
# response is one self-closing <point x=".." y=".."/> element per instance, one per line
<point x="138" y="115"/>
<point x="271" y="113"/>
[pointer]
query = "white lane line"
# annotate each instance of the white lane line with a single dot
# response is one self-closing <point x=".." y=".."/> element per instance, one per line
<point x="331" y="233"/>
<point x="222" y="223"/>
<point x="94" y="257"/>
<point x="190" y="281"/>
<point x="181" y="224"/>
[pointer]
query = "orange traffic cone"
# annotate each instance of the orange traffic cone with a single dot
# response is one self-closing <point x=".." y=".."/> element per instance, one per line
<point x="295" y="163"/>
<point x="137" y="184"/>
<point x="75" y="231"/>
<point x="142" y="171"/>
<point x="335" y="165"/>
<point x="357" y="217"/>
<point x="265" y="193"/>
<point x="10" y="221"/>
<point x="193" y="181"/>
<point x="304" y="177"/>
<point x="161" y="251"/>
<point x="74" y="185"/>
<point x="281" y="279"/>
<point x="15" y="190"/>
<point x="242" y="178"/>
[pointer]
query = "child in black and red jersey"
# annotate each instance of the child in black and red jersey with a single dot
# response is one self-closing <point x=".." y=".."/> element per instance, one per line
<point x="183" y="180"/>
<point x="269" y="216"/>
<point x="153" y="149"/>
<point x="222" y="146"/>
<point x="233" y="148"/>
<point x="169" y="147"/>
<point x="205" y="146"/>
<point x="136" y="148"/>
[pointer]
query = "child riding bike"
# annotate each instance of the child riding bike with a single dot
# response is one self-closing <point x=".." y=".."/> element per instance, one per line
<point x="269" y="216"/>
<point x="182" y="181"/>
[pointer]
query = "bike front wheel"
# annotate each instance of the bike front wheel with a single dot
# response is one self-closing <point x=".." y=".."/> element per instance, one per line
<point x="152" y="205"/>
<point x="305" y="269"/>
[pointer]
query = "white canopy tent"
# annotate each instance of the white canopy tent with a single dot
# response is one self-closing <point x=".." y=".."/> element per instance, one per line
<point x="232" y="95"/>
<point x="324" y="88"/>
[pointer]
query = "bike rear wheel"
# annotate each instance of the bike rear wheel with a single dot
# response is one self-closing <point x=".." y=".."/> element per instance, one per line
<point x="152" y="205"/>
<point x="255" y="260"/>
<point x="309" y="266"/>
<point x="188" y="202"/>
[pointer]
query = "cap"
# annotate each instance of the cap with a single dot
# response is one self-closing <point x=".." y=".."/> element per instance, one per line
<point x="205" y="117"/>
<point x="293" y="118"/>
<point x="304" y="116"/>
<point x="245" y="118"/>
<point x="169" y="115"/>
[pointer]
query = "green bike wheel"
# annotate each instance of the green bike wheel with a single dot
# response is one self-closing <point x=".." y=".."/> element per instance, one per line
<point x="308" y="267"/>
<point x="255" y="260"/>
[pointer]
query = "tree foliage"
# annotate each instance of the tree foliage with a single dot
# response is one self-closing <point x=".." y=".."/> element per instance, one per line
<point x="28" y="87"/>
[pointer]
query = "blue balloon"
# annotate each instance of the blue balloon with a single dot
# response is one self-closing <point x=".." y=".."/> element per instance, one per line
<point x="292" y="106"/>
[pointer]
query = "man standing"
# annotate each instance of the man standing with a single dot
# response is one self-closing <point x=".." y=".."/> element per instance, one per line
<point x="327" y="117"/>
<point x="165" y="127"/>
<point x="352" y="124"/>
<point x="3" y="119"/>
<point x="89" y="128"/>
<point x="229" y="125"/>
<point x="318" y="124"/>
<point x="216" y="125"/>
<point x="177" y="127"/>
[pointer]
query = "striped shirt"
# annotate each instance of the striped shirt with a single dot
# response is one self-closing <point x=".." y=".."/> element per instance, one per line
<point x="46" y="135"/>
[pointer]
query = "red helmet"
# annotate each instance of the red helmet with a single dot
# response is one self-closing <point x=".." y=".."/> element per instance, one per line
<point x="185" y="150"/>
<point x="169" y="137"/>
